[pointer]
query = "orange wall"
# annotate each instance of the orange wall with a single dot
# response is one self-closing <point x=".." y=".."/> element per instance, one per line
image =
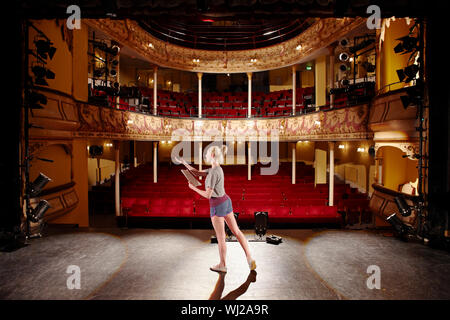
<point x="69" y="63"/>
<point x="388" y="61"/>
<point x="397" y="170"/>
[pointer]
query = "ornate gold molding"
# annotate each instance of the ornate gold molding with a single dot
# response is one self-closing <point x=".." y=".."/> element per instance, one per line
<point x="319" y="35"/>
<point x="101" y="122"/>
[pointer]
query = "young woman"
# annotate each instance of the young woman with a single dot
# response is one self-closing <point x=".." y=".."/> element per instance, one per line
<point x="221" y="209"/>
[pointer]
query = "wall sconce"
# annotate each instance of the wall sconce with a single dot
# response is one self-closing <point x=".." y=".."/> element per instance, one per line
<point x="341" y="146"/>
<point x="360" y="149"/>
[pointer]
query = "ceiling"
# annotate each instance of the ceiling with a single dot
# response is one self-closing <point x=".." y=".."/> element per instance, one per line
<point x="223" y="9"/>
<point x="198" y="32"/>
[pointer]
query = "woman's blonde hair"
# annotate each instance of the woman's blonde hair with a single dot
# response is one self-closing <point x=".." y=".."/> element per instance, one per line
<point x="216" y="153"/>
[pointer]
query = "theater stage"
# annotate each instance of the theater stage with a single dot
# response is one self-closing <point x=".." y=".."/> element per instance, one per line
<point x="174" y="264"/>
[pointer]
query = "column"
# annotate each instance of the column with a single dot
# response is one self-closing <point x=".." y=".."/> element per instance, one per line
<point x="294" y="90"/>
<point x="117" y="178"/>
<point x="155" y="90"/>
<point x="249" y="160"/>
<point x="135" y="154"/>
<point x="331" y="175"/>
<point x="155" y="162"/>
<point x="249" y="112"/>
<point x="331" y="74"/>
<point x="200" y="156"/>
<point x="294" y="151"/>
<point x="199" y="76"/>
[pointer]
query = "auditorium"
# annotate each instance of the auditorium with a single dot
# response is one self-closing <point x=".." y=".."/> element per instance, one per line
<point x="251" y="150"/>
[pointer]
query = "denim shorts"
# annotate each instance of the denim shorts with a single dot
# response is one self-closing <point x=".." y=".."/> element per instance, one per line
<point x="222" y="209"/>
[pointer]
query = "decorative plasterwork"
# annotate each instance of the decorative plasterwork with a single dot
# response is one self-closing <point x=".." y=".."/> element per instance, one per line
<point x="342" y="124"/>
<point x="319" y="35"/>
<point x="408" y="147"/>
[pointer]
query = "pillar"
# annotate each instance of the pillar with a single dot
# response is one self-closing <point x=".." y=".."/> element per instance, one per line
<point x="199" y="76"/>
<point x="155" y="90"/>
<point x="294" y="151"/>
<point x="117" y="178"/>
<point x="135" y="154"/>
<point x="331" y="175"/>
<point x="249" y="112"/>
<point x="249" y="161"/>
<point x="200" y="156"/>
<point x="155" y="162"/>
<point x="320" y="82"/>
<point x="294" y="90"/>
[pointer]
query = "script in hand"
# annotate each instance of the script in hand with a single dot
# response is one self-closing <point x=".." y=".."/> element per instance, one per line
<point x="191" y="178"/>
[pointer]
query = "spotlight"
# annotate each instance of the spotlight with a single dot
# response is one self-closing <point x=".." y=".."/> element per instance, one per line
<point x="369" y="67"/>
<point x="44" y="48"/>
<point x="38" y="184"/>
<point x="344" y="56"/>
<point x="345" y="82"/>
<point x="40" y="73"/>
<point x="398" y="225"/>
<point x="408" y="74"/>
<point x="98" y="73"/>
<point x="261" y="219"/>
<point x="407" y="44"/>
<point x="344" y="42"/>
<point x="95" y="151"/>
<point x="343" y="67"/>
<point x="113" y="72"/>
<point x="38" y="212"/>
<point x="403" y="207"/>
<point x="36" y="99"/>
<point x="413" y="97"/>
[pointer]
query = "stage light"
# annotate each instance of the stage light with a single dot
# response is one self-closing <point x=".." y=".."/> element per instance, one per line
<point x="345" y="82"/>
<point x="96" y="151"/>
<point x="344" y="56"/>
<point x="36" y="99"/>
<point x="343" y="67"/>
<point x="261" y="220"/>
<point x="403" y="207"/>
<point x="38" y="184"/>
<point x="407" y="44"/>
<point x="41" y="73"/>
<point x="344" y="42"/>
<point x="44" y="48"/>
<point x="398" y="225"/>
<point x="413" y="98"/>
<point x="113" y="72"/>
<point x="38" y="213"/>
<point x="408" y="74"/>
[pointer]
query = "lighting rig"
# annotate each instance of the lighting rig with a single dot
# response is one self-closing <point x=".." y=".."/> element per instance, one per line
<point x="42" y="51"/>
<point x="413" y="44"/>
<point x="104" y="66"/>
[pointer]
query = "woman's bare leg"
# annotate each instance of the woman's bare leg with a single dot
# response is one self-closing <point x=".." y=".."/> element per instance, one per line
<point x="232" y="224"/>
<point x="219" y="228"/>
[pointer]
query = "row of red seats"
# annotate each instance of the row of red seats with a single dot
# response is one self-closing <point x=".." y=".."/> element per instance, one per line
<point x="303" y="212"/>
